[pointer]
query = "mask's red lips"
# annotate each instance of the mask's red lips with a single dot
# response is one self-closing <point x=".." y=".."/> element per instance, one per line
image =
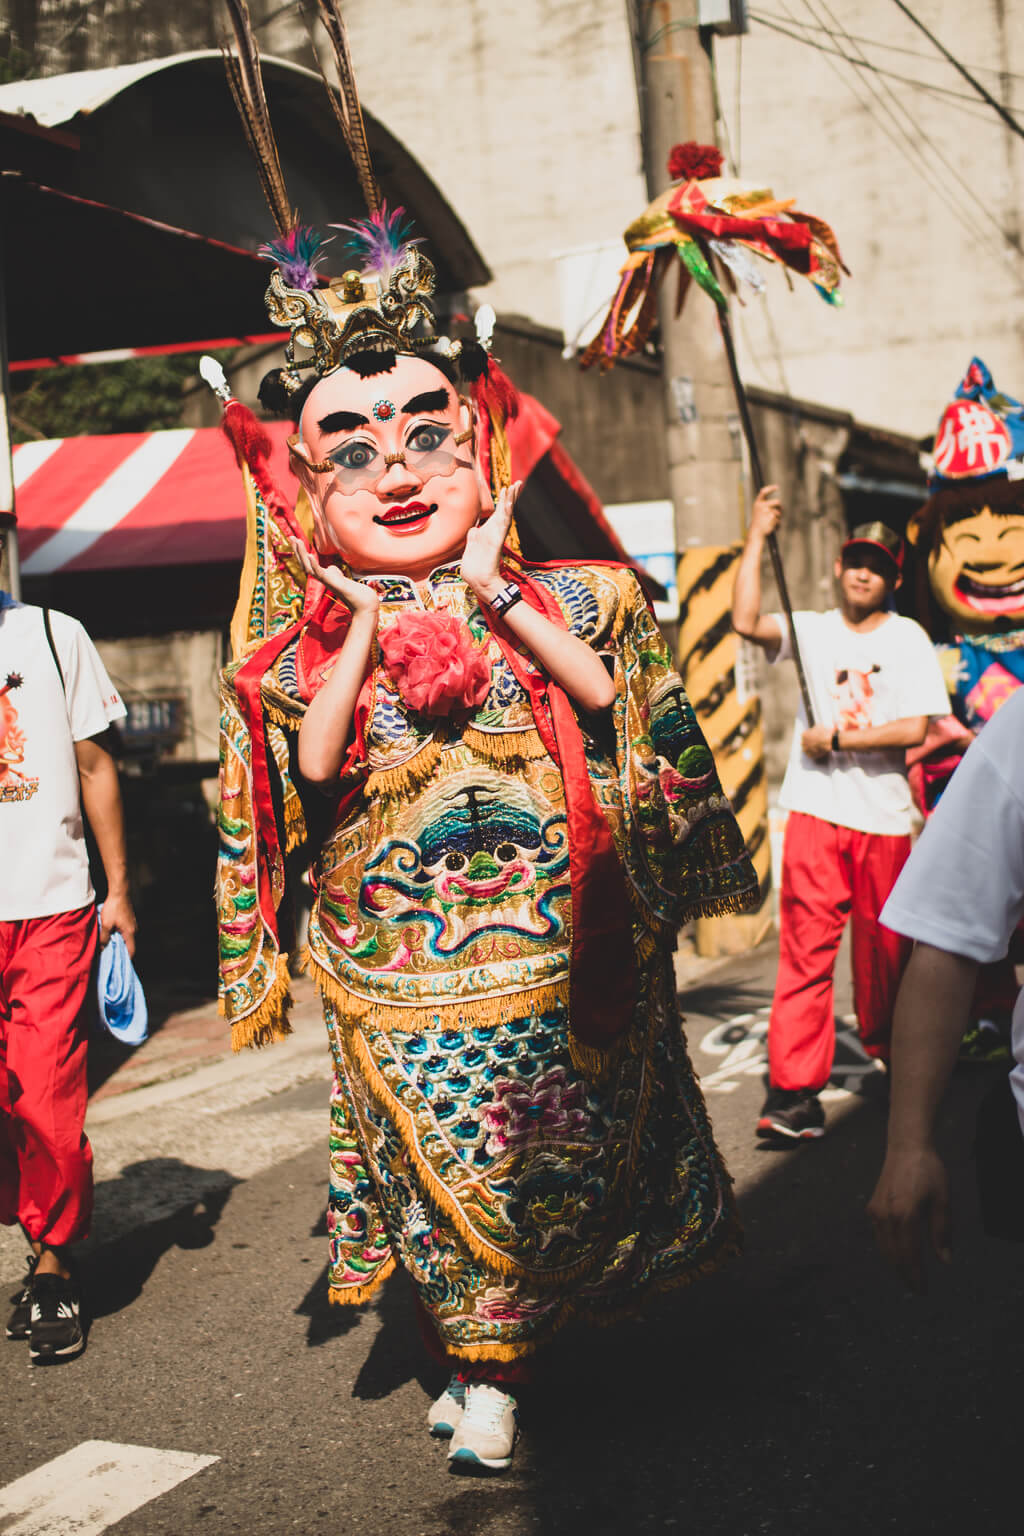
<point x="408" y="516"/>
<point x="988" y="597"/>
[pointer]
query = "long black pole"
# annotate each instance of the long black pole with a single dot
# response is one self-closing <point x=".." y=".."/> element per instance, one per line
<point x="8" y="521"/>
<point x="743" y="405"/>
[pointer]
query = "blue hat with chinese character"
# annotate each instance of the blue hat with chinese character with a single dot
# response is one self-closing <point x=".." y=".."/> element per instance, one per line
<point x="981" y="434"/>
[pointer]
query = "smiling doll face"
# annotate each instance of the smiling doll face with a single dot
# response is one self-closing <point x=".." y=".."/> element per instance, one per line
<point x="388" y="463"/>
<point x="977" y="570"/>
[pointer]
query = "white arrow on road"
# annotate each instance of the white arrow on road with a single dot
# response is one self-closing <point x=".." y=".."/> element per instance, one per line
<point x="88" y="1489"/>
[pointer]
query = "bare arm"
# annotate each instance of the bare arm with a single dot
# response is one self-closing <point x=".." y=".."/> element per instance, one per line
<point x="816" y="741"/>
<point x="327" y="723"/>
<point x="101" y="802"/>
<point x="567" y="659"/>
<point x="913" y="1190"/>
<point x="747" y="618"/>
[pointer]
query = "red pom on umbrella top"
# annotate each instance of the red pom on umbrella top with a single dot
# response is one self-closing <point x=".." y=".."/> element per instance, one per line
<point x="694" y="162"/>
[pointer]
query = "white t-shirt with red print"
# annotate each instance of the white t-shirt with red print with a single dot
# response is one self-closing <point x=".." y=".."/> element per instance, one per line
<point x="45" y="867"/>
<point x="857" y="680"/>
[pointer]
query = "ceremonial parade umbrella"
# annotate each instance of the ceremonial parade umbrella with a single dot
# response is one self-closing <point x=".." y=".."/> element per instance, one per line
<point x="716" y="232"/>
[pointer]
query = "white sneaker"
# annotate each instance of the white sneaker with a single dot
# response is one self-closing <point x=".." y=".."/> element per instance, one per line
<point x="444" y="1416"/>
<point x="486" y="1433"/>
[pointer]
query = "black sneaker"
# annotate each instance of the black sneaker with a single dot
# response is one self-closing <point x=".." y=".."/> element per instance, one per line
<point x="17" y="1323"/>
<point x="55" y="1329"/>
<point x="792" y="1112"/>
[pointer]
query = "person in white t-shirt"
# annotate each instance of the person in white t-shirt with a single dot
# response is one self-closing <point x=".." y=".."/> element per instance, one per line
<point x="56" y="704"/>
<point x="874" y="682"/>
<point x="960" y="898"/>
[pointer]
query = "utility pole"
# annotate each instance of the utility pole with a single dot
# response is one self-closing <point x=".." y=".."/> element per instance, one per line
<point x="703" y="438"/>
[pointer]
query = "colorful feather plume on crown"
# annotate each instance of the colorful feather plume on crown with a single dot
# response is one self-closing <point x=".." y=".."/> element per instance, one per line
<point x="297" y="254"/>
<point x="714" y="231"/>
<point x="381" y="242"/>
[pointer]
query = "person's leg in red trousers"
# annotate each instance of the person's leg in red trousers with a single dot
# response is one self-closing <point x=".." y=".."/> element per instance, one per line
<point x="45" y="1160"/>
<point x="814" y="905"/>
<point x="878" y="955"/>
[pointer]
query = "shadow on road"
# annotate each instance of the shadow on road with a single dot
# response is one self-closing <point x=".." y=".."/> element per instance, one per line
<point x="798" y="1390"/>
<point x="115" y="1271"/>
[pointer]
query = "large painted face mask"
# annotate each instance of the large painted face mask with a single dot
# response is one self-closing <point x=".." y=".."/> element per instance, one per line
<point x="390" y="468"/>
<point x="976" y="570"/>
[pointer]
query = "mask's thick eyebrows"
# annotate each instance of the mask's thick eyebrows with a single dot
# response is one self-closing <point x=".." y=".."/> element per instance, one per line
<point x="430" y="400"/>
<point x="342" y="421"/>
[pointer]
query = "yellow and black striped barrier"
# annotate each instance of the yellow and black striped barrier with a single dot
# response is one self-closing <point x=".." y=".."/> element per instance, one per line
<point x="733" y="727"/>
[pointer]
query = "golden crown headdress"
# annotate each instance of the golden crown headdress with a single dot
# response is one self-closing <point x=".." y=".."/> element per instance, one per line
<point x="381" y="305"/>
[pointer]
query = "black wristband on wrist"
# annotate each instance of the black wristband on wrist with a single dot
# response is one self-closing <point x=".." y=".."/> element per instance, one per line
<point x="507" y="598"/>
<point x="835" y="740"/>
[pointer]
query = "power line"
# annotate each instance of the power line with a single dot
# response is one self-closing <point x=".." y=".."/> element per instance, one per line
<point x="885" y="47"/>
<point x="978" y="109"/>
<point x="906" y="146"/>
<point x="915" y="126"/>
<point x="997" y="106"/>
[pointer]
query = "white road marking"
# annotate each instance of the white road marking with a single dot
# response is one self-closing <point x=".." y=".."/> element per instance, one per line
<point x="741" y="1044"/>
<point x="87" y="1490"/>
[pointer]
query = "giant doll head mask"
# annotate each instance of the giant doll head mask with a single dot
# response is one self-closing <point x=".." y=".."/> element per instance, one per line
<point x="388" y="462"/>
<point x="971" y="530"/>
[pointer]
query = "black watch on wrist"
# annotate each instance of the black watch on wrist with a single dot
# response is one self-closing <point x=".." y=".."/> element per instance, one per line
<point x="835" y="740"/>
<point x="507" y="598"/>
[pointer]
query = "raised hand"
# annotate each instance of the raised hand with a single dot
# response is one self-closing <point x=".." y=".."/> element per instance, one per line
<point x="356" y="595"/>
<point x="766" y="512"/>
<point x="481" y="560"/>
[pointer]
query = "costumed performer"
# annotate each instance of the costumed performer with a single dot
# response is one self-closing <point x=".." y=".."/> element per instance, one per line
<point x="971" y="534"/>
<point x="510" y="809"/>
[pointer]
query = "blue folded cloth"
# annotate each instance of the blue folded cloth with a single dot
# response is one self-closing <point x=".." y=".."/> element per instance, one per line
<point x="123" y="1011"/>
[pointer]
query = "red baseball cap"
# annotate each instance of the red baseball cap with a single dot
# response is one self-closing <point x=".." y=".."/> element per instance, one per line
<point x="879" y="537"/>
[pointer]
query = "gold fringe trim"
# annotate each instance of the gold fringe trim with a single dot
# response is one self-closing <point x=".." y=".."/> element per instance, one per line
<point x="268" y="1022"/>
<point x="407" y="776"/>
<point x="729" y="1245"/>
<point x="591" y="1060"/>
<point x="492" y="1258"/>
<point x="288" y="721"/>
<point x="508" y="749"/>
<point x="294" y="822"/>
<point x="722" y="906"/>
<point x="356" y="1295"/>
<point x="501" y="1008"/>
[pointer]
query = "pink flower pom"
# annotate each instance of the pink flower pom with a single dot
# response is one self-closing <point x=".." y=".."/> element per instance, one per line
<point x="435" y="663"/>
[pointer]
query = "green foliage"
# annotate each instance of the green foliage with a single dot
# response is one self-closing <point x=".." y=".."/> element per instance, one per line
<point x="15" y="64"/>
<point x="143" y="394"/>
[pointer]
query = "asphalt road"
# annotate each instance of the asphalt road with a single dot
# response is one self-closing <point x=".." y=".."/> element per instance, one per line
<point x="796" y="1391"/>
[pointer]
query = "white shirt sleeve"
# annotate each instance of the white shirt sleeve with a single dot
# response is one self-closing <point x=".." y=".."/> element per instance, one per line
<point x="785" y="650"/>
<point x="92" y="700"/>
<point x="962" y="889"/>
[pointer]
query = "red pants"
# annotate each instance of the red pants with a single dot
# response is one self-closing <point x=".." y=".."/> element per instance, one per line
<point x="45" y="1159"/>
<point x="829" y="874"/>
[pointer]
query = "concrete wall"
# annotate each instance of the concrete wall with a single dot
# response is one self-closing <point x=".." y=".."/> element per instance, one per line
<point x="937" y="267"/>
<point x="186" y="663"/>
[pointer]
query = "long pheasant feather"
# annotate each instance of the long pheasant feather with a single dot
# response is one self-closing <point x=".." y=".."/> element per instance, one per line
<point x="245" y="77"/>
<point x="347" y="109"/>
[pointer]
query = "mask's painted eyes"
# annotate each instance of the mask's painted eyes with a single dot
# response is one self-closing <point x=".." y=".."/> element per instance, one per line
<point x="505" y="852"/>
<point x="427" y="437"/>
<point x="353" y="455"/>
<point x="455" y="861"/>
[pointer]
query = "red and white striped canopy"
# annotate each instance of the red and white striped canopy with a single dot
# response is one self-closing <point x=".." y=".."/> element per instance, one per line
<point x="133" y="499"/>
<point x="175" y="498"/>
